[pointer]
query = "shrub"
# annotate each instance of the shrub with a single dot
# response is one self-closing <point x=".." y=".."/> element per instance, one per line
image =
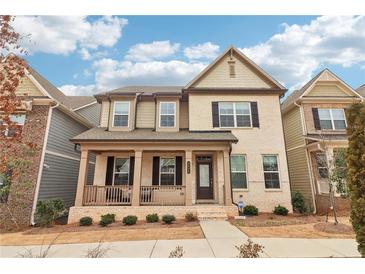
<point x="107" y="219"/>
<point x="130" y="220"/>
<point x="249" y="250"/>
<point x="152" y="218"/>
<point x="298" y="202"/>
<point x="250" y="210"/>
<point x="86" y="221"/>
<point x="168" y="219"/>
<point x="178" y="252"/>
<point x="280" y="210"/>
<point x="48" y="211"/>
<point x="190" y="217"/>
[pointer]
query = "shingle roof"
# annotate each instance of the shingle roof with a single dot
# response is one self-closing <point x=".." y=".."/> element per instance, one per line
<point x="361" y="90"/>
<point x="147" y="90"/>
<point x="80" y="101"/>
<point x="137" y="135"/>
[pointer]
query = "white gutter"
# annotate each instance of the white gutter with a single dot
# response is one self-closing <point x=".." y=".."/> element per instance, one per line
<point x="40" y="170"/>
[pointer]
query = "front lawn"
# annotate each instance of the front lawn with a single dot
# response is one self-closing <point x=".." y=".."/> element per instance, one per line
<point x="267" y="225"/>
<point x="73" y="233"/>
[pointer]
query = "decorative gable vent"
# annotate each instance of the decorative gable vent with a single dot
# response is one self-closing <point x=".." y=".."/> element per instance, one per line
<point x="232" y="70"/>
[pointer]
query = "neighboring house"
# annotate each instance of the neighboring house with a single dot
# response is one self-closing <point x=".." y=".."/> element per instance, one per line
<point x="49" y="122"/>
<point x="196" y="148"/>
<point x="86" y="106"/>
<point x="315" y="128"/>
<point x="361" y="90"/>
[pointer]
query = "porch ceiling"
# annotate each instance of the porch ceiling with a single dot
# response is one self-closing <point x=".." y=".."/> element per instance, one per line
<point x="149" y="135"/>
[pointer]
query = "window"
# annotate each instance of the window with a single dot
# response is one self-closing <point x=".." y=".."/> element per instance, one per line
<point x="121" y="114"/>
<point x="167" y="171"/>
<point x="238" y="171"/>
<point x="271" y="171"/>
<point x="167" y="114"/>
<point x="332" y="118"/>
<point x="18" y="120"/>
<point x="236" y="114"/>
<point x="321" y="161"/>
<point x="121" y="171"/>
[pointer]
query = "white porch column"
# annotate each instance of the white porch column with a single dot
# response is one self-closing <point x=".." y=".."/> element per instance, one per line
<point x="227" y="178"/>
<point x="84" y="161"/>
<point x="137" y="178"/>
<point x="188" y="178"/>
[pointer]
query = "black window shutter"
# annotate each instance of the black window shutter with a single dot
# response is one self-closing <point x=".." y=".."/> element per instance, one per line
<point x="109" y="171"/>
<point x="317" y="123"/>
<point x="178" y="170"/>
<point x="156" y="171"/>
<point x="215" y="112"/>
<point x="255" y="115"/>
<point x="131" y="170"/>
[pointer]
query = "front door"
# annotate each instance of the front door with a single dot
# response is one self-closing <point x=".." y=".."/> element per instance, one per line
<point x="204" y="177"/>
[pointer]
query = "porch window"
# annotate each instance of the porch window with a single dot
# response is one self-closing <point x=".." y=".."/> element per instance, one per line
<point x="234" y="114"/>
<point x="18" y="121"/>
<point x="332" y="118"/>
<point x="121" y="171"/>
<point x="167" y="171"/>
<point x="167" y="114"/>
<point x="238" y="171"/>
<point x="321" y="161"/>
<point x="121" y="114"/>
<point x="271" y="171"/>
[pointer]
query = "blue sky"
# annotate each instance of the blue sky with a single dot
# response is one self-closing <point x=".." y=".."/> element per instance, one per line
<point x="85" y="55"/>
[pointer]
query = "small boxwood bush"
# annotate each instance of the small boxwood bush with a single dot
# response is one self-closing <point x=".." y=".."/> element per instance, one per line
<point x="86" y="221"/>
<point x="250" y="210"/>
<point x="47" y="211"/>
<point x="190" y="217"/>
<point x="280" y="210"/>
<point x="298" y="202"/>
<point x="130" y="220"/>
<point x="168" y="219"/>
<point x="152" y="218"/>
<point x="107" y="219"/>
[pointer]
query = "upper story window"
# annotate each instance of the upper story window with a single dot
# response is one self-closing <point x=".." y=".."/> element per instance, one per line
<point x="235" y="114"/>
<point x="271" y="171"/>
<point x="18" y="121"/>
<point x="167" y="114"/>
<point x="332" y="118"/>
<point x="121" y="114"/>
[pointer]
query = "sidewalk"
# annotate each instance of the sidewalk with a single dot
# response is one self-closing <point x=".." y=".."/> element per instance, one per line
<point x="220" y="240"/>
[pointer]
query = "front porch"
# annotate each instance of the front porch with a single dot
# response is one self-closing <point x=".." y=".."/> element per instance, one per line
<point x="155" y="175"/>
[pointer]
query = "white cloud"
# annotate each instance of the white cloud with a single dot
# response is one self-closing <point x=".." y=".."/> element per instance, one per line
<point x="207" y="50"/>
<point x="152" y="51"/>
<point x="65" y="34"/>
<point x="85" y="54"/>
<point x="74" y="90"/>
<point x="294" y="54"/>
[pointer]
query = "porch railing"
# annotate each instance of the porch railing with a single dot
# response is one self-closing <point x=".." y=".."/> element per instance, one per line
<point x="162" y="195"/>
<point x="107" y="195"/>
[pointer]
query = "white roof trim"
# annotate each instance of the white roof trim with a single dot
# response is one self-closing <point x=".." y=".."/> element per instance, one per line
<point x="84" y="106"/>
<point x="231" y="49"/>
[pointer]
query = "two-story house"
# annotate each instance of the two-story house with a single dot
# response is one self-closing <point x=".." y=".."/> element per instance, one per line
<point x="315" y="128"/>
<point x="198" y="148"/>
<point x="47" y="121"/>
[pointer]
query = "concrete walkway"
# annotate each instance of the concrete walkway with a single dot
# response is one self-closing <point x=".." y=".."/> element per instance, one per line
<point x="220" y="240"/>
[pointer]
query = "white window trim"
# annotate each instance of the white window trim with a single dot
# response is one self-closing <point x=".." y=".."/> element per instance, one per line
<point x="115" y="163"/>
<point x="234" y="114"/>
<point x="278" y="172"/>
<point x="243" y="188"/>
<point x="332" y="120"/>
<point x="6" y="131"/>
<point x="129" y="111"/>
<point x="165" y="102"/>
<point x="159" y="183"/>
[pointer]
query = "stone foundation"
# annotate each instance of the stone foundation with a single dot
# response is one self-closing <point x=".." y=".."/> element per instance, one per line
<point x="343" y="206"/>
<point x="179" y="212"/>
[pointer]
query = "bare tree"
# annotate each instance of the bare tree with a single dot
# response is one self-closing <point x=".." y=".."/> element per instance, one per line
<point x="249" y="250"/>
<point x="43" y="253"/>
<point x="97" y="252"/>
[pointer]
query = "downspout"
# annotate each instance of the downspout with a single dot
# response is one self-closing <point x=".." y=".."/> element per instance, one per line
<point x="136" y="108"/>
<point x="308" y="159"/>
<point x="40" y="170"/>
<point x="233" y="202"/>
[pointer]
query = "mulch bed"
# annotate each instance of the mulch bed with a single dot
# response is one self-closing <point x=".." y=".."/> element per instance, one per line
<point x="118" y="225"/>
<point x="334" y="228"/>
<point x="269" y="219"/>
